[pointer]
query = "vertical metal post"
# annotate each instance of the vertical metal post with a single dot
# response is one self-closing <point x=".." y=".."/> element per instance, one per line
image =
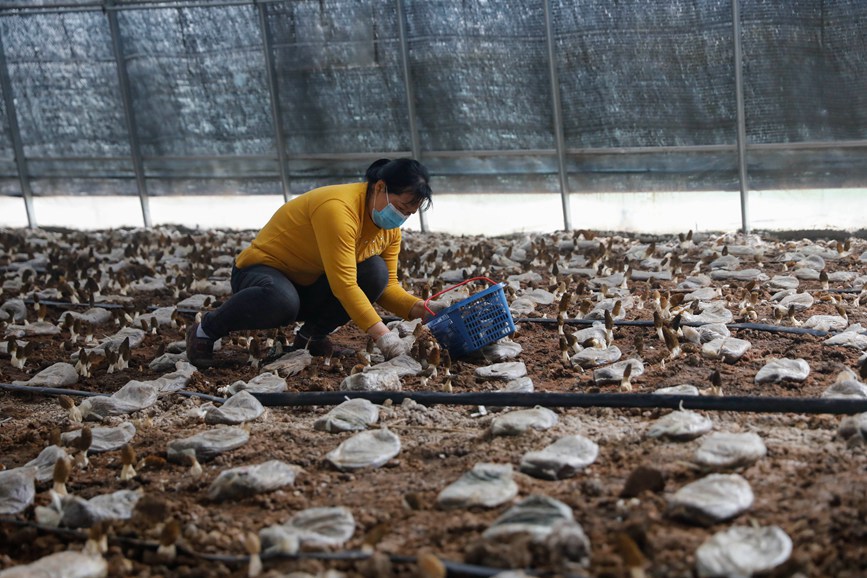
<point x="741" y="117"/>
<point x="271" y="74"/>
<point x="410" y="94"/>
<point x="129" y="113"/>
<point x="558" y="116"/>
<point x="15" y="134"/>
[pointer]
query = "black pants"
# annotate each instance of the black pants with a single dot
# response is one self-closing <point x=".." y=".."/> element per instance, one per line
<point x="263" y="298"/>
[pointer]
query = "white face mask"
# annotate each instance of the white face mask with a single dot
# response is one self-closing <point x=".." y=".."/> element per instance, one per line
<point x="389" y="217"/>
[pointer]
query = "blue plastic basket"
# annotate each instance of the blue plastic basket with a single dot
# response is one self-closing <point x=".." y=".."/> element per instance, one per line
<point x="474" y="322"/>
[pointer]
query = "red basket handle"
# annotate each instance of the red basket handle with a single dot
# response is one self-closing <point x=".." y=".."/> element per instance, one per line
<point x="464" y="282"/>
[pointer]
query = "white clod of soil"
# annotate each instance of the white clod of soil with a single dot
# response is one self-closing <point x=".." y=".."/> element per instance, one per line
<point x="105" y="439"/>
<point x="680" y="425"/>
<point x="740" y="275"/>
<point x="826" y="322"/>
<point x="262" y="383"/>
<point x="17" y="489"/>
<point x="784" y="282"/>
<point x="502" y="350"/>
<point x="208" y="444"/>
<point x="712" y="499"/>
<point x="32" y="329"/>
<point x="743" y="551"/>
<point x="505" y="371"/>
<point x="95" y="316"/>
<point x="800" y="301"/>
<point x="136" y="337"/>
<point x="519" y="421"/>
<point x="351" y="415"/>
<point x="713" y="312"/>
<point x="591" y="356"/>
<point x="520" y="385"/>
<point x="853" y="426"/>
<point x="614" y="373"/>
<point x="777" y="370"/>
<point x="372" y="381"/>
<point x="711" y="331"/>
<point x="729" y="349"/>
<point x="68" y="564"/>
<point x="60" y="374"/>
<point x="290" y="364"/>
<point x="245" y="481"/>
<point x="846" y="386"/>
<point x="534" y="516"/>
<point x="80" y="513"/>
<point x="240" y="408"/>
<point x="366" y="449"/>
<point x="314" y="528"/>
<point x="402" y="365"/>
<point x="136" y="395"/>
<point x="44" y="462"/>
<point x="562" y="459"/>
<point x="729" y="450"/>
<point x="486" y="485"/>
<point x="683" y="389"/>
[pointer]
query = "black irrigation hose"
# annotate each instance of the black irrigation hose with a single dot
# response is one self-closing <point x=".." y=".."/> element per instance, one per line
<point x="780" y="329"/>
<point x="542" y="320"/>
<point x="70" y="305"/>
<point x="47" y="390"/>
<point x="183" y="550"/>
<point x="51" y="391"/>
<point x="573" y="400"/>
<point x="811" y="405"/>
<point x="646" y="323"/>
<point x="454" y="568"/>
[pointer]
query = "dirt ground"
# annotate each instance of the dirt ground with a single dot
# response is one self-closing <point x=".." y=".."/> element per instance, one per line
<point x="811" y="483"/>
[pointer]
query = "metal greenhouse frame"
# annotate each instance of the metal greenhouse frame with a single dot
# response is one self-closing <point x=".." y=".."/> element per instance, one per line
<point x="567" y="157"/>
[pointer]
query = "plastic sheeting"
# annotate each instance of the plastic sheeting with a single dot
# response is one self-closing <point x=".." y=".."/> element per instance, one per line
<point x="636" y="78"/>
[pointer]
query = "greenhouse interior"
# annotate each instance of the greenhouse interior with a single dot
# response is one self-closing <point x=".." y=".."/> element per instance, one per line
<point x="387" y="288"/>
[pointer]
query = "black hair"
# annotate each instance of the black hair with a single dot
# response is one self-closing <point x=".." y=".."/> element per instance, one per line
<point x="403" y="175"/>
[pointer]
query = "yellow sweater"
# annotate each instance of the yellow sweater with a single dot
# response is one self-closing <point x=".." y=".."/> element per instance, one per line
<point x="329" y="230"/>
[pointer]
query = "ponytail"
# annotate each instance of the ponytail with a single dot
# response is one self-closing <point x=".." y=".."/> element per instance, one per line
<point x="403" y="175"/>
<point x="372" y="173"/>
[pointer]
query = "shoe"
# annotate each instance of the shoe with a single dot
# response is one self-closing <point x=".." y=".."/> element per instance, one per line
<point x="320" y="347"/>
<point x="200" y="350"/>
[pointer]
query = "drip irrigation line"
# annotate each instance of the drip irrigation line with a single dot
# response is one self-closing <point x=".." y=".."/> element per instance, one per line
<point x="461" y="569"/>
<point x="51" y="391"/>
<point x="345" y="555"/>
<point x="647" y="323"/>
<point x="574" y="400"/>
<point x="57" y="391"/>
<point x="779" y="329"/>
<point x="70" y="305"/>
<point x="750" y="404"/>
<point x="454" y="568"/>
<point x="542" y="320"/>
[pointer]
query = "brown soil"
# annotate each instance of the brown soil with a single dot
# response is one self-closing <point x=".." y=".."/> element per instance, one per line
<point x="811" y="483"/>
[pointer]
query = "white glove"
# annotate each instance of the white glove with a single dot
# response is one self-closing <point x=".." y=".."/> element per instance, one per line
<point x="391" y="345"/>
<point x="436" y="307"/>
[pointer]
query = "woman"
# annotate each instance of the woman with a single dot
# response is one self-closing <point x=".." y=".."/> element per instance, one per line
<point x="324" y="258"/>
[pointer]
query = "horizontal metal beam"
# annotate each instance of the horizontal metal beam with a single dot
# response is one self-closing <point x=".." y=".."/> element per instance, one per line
<point x="817" y="145"/>
<point x="67" y="8"/>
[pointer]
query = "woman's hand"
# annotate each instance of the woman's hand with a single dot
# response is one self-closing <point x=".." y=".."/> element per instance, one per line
<point x="418" y="310"/>
<point x="391" y="345"/>
<point x="388" y="342"/>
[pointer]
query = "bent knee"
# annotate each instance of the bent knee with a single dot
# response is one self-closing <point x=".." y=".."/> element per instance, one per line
<point x="282" y="304"/>
<point x="373" y="273"/>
